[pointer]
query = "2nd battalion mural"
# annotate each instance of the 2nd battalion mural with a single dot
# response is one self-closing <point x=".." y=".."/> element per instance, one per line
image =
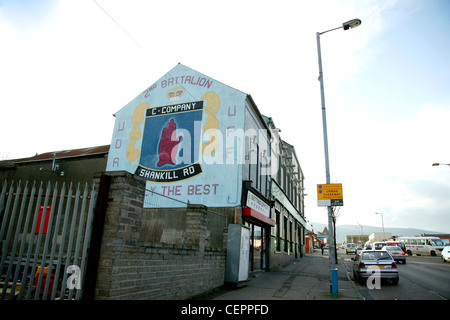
<point x="173" y="135"/>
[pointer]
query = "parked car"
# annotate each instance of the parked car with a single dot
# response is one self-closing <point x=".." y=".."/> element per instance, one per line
<point x="350" y="247"/>
<point x="445" y="255"/>
<point x="396" y="252"/>
<point x="370" y="262"/>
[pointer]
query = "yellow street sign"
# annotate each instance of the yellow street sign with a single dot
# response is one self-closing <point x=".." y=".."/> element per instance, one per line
<point x="330" y="194"/>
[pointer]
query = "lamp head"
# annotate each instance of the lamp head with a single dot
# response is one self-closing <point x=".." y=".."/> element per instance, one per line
<point x="351" y="24"/>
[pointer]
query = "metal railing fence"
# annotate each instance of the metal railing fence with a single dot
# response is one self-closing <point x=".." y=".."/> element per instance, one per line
<point x="45" y="235"/>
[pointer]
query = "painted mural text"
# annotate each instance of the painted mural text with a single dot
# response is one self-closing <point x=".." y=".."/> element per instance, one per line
<point x="169" y="175"/>
<point x="189" y="190"/>
<point x="193" y="80"/>
<point x="150" y="89"/>
<point x="189" y="106"/>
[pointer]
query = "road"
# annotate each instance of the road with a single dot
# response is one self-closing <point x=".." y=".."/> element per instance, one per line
<point x="421" y="278"/>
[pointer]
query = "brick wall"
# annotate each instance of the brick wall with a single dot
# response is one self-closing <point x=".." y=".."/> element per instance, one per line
<point x="137" y="262"/>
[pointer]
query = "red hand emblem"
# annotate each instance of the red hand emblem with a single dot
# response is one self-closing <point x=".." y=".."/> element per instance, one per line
<point x="168" y="144"/>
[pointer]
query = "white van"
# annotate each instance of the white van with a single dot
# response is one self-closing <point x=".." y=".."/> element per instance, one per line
<point x="350" y="247"/>
<point x="432" y="246"/>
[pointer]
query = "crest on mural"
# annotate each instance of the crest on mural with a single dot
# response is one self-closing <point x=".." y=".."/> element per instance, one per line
<point x="171" y="142"/>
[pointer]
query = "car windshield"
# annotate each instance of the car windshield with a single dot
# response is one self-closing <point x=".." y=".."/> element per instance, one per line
<point x="375" y="255"/>
<point x="391" y="248"/>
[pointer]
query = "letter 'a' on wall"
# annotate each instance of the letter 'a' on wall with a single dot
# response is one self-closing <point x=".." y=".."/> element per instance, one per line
<point x="180" y="136"/>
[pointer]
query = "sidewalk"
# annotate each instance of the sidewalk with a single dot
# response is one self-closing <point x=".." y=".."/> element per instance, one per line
<point x="307" y="278"/>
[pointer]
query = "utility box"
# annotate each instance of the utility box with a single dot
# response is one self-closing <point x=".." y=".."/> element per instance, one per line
<point x="238" y="250"/>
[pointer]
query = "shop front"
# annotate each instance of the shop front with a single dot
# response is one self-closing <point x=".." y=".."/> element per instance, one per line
<point x="257" y="218"/>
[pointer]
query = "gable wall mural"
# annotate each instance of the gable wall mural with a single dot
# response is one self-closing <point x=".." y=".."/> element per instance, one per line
<point x="184" y="135"/>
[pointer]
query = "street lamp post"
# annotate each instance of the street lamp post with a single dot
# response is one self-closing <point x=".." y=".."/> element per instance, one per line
<point x="440" y="164"/>
<point x="361" y="227"/>
<point x="382" y="224"/>
<point x="346" y="25"/>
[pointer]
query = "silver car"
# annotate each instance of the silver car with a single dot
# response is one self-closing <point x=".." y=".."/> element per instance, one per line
<point x="374" y="263"/>
<point x="396" y="253"/>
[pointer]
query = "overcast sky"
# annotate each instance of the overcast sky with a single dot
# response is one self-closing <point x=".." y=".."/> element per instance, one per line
<point x="67" y="66"/>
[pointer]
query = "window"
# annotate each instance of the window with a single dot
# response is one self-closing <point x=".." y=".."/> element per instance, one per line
<point x="257" y="169"/>
<point x="295" y="198"/>
<point x="277" y="232"/>
<point x="285" y="224"/>
<point x="258" y="251"/>
<point x="291" y="238"/>
<point x="437" y="242"/>
<point x="279" y="171"/>
<point x="376" y="255"/>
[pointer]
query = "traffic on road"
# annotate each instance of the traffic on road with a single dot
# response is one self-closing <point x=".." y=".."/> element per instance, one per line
<point x="390" y="274"/>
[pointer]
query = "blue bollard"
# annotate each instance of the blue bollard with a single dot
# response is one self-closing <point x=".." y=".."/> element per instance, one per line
<point x="334" y="281"/>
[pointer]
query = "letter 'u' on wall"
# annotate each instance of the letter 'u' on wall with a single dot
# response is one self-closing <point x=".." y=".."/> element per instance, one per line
<point x="135" y="134"/>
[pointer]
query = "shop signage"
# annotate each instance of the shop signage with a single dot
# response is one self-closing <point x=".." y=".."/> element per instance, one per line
<point x="254" y="202"/>
<point x="257" y="209"/>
